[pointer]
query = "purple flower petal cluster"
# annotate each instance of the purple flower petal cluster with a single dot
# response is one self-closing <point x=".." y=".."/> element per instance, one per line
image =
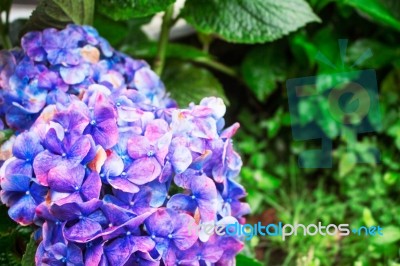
<point x="53" y="64"/>
<point x="115" y="174"/>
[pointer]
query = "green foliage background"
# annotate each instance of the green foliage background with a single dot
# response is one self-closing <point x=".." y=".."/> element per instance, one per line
<point x="244" y="51"/>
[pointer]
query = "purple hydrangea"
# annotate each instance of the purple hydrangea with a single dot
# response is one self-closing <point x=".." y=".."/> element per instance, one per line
<point x="108" y="169"/>
<point x="53" y="63"/>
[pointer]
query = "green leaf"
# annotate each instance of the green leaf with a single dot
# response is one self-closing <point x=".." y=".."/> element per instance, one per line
<point x="383" y="54"/>
<point x="80" y="11"/>
<point x="173" y="51"/>
<point x="262" y="68"/>
<point x="188" y="83"/>
<point x="385" y="12"/>
<point x="242" y="260"/>
<point x="58" y="13"/>
<point x="5" y="5"/>
<point x="391" y="178"/>
<point x="127" y="9"/>
<point x="248" y="21"/>
<point x="347" y="162"/>
<point x="29" y="257"/>
<point x="391" y="234"/>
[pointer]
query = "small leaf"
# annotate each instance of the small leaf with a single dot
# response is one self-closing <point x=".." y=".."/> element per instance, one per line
<point x="58" y="13"/>
<point x="347" y="162"/>
<point x="383" y="54"/>
<point x="391" y="178"/>
<point x="246" y="261"/>
<point x="262" y="68"/>
<point x="382" y="11"/>
<point x="28" y="259"/>
<point x="188" y="83"/>
<point x="251" y="21"/>
<point x="127" y="9"/>
<point x="391" y="234"/>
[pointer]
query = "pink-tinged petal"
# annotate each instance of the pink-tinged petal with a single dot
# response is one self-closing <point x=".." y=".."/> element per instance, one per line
<point x="181" y="202"/>
<point x="83" y="231"/>
<point x="74" y="255"/>
<point x="106" y="133"/>
<point x="104" y="111"/>
<point x="143" y="243"/>
<point x="156" y="129"/>
<point x="97" y="163"/>
<point x="166" y="173"/>
<point x="181" y="159"/>
<point x="160" y="223"/>
<point x="15" y="183"/>
<point x="91" y="187"/>
<point x="206" y="128"/>
<point x="230" y="131"/>
<point x="93" y="255"/>
<point x="119" y="251"/>
<point x="216" y="104"/>
<point x="52" y="142"/>
<point x="65" y="179"/>
<point x="232" y="247"/>
<point x="144" y="170"/>
<point x="122" y="184"/>
<point x="199" y="162"/>
<point x="23" y="211"/>
<point x="203" y="188"/>
<point x="18" y="166"/>
<point x="43" y="163"/>
<point x="163" y="146"/>
<point x="74" y="75"/>
<point x="130" y="114"/>
<point x="113" y="165"/>
<point x="138" y="147"/>
<point x="146" y="81"/>
<point x="182" y="235"/>
<point x="27" y="146"/>
<point x="79" y="149"/>
<point x="184" y="179"/>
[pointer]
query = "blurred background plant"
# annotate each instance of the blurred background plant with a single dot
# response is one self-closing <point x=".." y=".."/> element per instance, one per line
<point x="244" y="51"/>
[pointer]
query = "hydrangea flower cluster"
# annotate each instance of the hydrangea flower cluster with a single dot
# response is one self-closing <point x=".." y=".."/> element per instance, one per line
<point x="52" y="64"/>
<point x="108" y="169"/>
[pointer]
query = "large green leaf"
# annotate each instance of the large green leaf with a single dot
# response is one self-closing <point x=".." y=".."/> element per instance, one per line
<point x="58" y="13"/>
<point x="248" y="21"/>
<point x="386" y="12"/>
<point x="188" y="83"/>
<point x="242" y="260"/>
<point x="391" y="234"/>
<point x="262" y="68"/>
<point x="29" y="257"/>
<point x="120" y="33"/>
<point x="127" y="9"/>
<point x="173" y="50"/>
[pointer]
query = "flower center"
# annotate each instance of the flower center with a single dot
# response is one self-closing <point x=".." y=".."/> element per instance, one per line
<point x="150" y="153"/>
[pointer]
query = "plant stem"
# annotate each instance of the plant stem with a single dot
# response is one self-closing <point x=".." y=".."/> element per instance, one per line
<point x="217" y="65"/>
<point x="159" y="61"/>
<point x="5" y="39"/>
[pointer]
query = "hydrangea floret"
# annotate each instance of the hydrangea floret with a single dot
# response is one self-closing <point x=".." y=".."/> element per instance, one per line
<point x="105" y="166"/>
